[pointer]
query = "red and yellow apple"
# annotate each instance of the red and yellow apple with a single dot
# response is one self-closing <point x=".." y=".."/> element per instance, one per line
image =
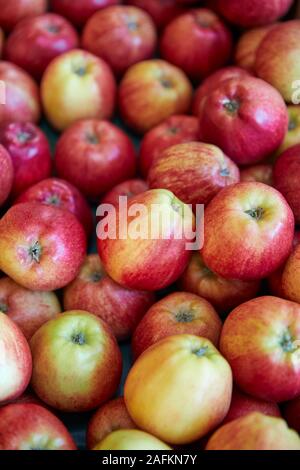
<point x="78" y="12"/>
<point x="16" y="10"/>
<point x="131" y="439"/>
<point x="162" y="12"/>
<point x="261" y="173"/>
<point x="290" y="276"/>
<point x="6" y="174"/>
<point x="247" y="45"/>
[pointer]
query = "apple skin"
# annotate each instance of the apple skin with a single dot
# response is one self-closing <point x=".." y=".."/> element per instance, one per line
<point x="28" y="426"/>
<point x="259" y="340"/>
<point x="42" y="247"/>
<point x="121" y="35"/>
<point x="210" y="43"/>
<point x="254" y="432"/>
<point x="131" y="439"/>
<point x="16" y="362"/>
<point x="94" y="291"/>
<point x="94" y="156"/>
<point x="129" y="188"/>
<point x="237" y="117"/>
<point x="150" y="92"/>
<point x="252" y="13"/>
<point x="149" y="264"/>
<point x="174" y="130"/>
<point x="243" y="404"/>
<point x="30" y="153"/>
<point x="22" y="101"/>
<point x="59" y="193"/>
<point x="6" y="175"/>
<point x="291" y="413"/>
<point x="28" y="309"/>
<point x="110" y="417"/>
<point x="67" y="376"/>
<point x="290" y="276"/>
<point x="211" y="171"/>
<point x="157" y="396"/>
<point x="292" y="136"/>
<point x="49" y="35"/>
<point x="79" y="12"/>
<point x="178" y="313"/>
<point x="247" y="45"/>
<point x="223" y="294"/>
<point x="281" y="69"/>
<point x="14" y="11"/>
<point x="261" y="173"/>
<point x="162" y="12"/>
<point x="212" y="82"/>
<point x="77" y="85"/>
<point x="256" y="225"/>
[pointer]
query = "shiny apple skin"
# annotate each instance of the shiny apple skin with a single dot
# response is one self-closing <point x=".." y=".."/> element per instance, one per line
<point x="261" y="173"/>
<point x="247" y="45"/>
<point x="162" y="12"/>
<point x="129" y="188"/>
<point x="13" y="11"/>
<point x="79" y="12"/>
<point x="6" y="175"/>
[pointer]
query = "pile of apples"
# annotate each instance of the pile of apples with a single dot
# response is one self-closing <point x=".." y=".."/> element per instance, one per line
<point x="212" y="89"/>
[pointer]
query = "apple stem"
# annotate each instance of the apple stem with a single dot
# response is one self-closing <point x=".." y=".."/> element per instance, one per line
<point x="35" y="252"/>
<point x="255" y="213"/>
<point x="201" y="351"/>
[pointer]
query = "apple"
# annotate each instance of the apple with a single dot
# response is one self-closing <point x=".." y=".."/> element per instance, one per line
<point x="28" y="426"/>
<point x="179" y="389"/>
<point x="30" y="153"/>
<point x="15" y="10"/>
<point x="16" y="363"/>
<point x="223" y="294"/>
<point x="260" y="340"/>
<point x="209" y="47"/>
<point x="243" y="404"/>
<point x="94" y="291"/>
<point x="78" y="12"/>
<point x="178" y="313"/>
<point x="6" y="174"/>
<point x="2" y="38"/>
<point x="131" y="439"/>
<point x="129" y="188"/>
<point x="247" y="45"/>
<point x="275" y="58"/>
<point x="150" y="92"/>
<point x="121" y="35"/>
<point x="110" y="417"/>
<point x="59" y="193"/>
<point x="161" y="11"/>
<point x="292" y="137"/>
<point x="28" y="309"/>
<point x="212" y="82"/>
<point x="94" y="156"/>
<point x="77" y="364"/>
<point x="210" y="168"/>
<point x="252" y="13"/>
<point x="42" y="247"/>
<point x="238" y="118"/>
<point x="174" y="130"/>
<point x="290" y="276"/>
<point x="19" y="95"/>
<point x="252" y="225"/>
<point x="261" y="173"/>
<point x="155" y="258"/>
<point x="77" y="85"/>
<point x="49" y="35"/>
<point x="254" y="432"/>
<point x="291" y="413"/>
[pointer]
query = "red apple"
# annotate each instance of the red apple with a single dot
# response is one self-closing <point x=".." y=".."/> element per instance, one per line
<point x="209" y="46"/>
<point x="1" y="41"/>
<point x="252" y="226"/>
<point x="30" y="153"/>
<point x="150" y="92"/>
<point x="247" y="45"/>
<point x="155" y="258"/>
<point x="110" y="417"/>
<point x="254" y="432"/>
<point x="290" y="276"/>
<point x="77" y="364"/>
<point x="178" y="313"/>
<point x="251" y="13"/>
<point x="42" y="247"/>
<point x="6" y="175"/>
<point x="12" y="11"/>
<point x="291" y="413"/>
<point x="129" y="188"/>
<point x="121" y="35"/>
<point x="260" y="340"/>
<point x="60" y="193"/>
<point x="292" y="137"/>
<point x="28" y="309"/>
<point x="212" y="82"/>
<point x="95" y="156"/>
<point x="161" y="11"/>
<point x="16" y="363"/>
<point x="262" y="173"/>
<point x="211" y="171"/>
<point x="174" y="130"/>
<point x="77" y="85"/>
<point x="28" y="426"/>
<point x="224" y="294"/>
<point x="238" y="118"/>
<point x="49" y="35"/>
<point x="78" y="12"/>
<point x="19" y="95"/>
<point x="94" y="291"/>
